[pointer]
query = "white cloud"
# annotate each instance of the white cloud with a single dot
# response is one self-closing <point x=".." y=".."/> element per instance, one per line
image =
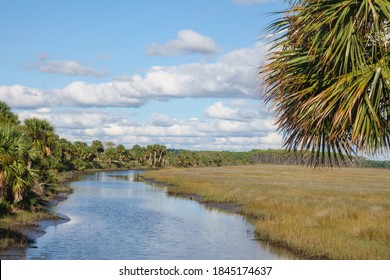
<point x="238" y="110"/>
<point x="18" y="96"/>
<point x="75" y="119"/>
<point x="187" y="42"/>
<point x="234" y="75"/>
<point x="219" y="111"/>
<point x="67" y="68"/>
<point x="192" y="133"/>
<point x="161" y="120"/>
<point x="246" y="57"/>
<point x="44" y="110"/>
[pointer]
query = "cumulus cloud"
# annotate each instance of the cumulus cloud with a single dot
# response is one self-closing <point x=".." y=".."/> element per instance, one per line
<point x="18" y="96"/>
<point x="238" y="110"/>
<point x="233" y="75"/>
<point x="67" y="68"/>
<point x="79" y="94"/>
<point x="161" y="120"/>
<point x="216" y="132"/>
<point x="70" y="119"/>
<point x="187" y="42"/>
<point x="219" y="111"/>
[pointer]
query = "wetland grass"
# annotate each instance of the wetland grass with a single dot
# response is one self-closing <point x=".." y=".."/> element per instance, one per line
<point x="10" y="224"/>
<point x="322" y="214"/>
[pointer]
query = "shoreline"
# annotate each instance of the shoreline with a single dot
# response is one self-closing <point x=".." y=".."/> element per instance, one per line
<point x="29" y="233"/>
<point x="302" y="212"/>
<point x="36" y="227"/>
<point x="36" y="230"/>
<point x="233" y="208"/>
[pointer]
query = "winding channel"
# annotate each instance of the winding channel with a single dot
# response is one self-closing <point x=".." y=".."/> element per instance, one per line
<point x="114" y="216"/>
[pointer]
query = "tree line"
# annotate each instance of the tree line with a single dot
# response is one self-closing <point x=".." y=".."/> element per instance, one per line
<point x="32" y="155"/>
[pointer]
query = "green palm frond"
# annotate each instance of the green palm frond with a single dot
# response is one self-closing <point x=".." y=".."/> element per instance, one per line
<point x="328" y="77"/>
<point x="23" y="180"/>
<point x="16" y="152"/>
<point x="40" y="133"/>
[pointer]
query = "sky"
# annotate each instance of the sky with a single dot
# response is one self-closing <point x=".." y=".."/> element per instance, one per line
<point x="183" y="74"/>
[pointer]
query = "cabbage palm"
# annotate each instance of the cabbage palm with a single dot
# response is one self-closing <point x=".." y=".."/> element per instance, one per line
<point x="328" y="77"/>
<point x="40" y="132"/>
<point x="6" y="115"/>
<point x="16" y="151"/>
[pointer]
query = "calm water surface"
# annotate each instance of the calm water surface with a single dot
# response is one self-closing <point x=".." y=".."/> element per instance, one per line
<point x="112" y="216"/>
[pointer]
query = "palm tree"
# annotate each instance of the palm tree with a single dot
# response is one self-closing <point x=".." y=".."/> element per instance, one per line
<point x="6" y="115"/>
<point x="41" y="132"/>
<point x="328" y="77"/>
<point x="16" y="151"/>
<point x="98" y="148"/>
<point x="120" y="152"/>
<point x="138" y="153"/>
<point x="64" y="154"/>
<point x="110" y="154"/>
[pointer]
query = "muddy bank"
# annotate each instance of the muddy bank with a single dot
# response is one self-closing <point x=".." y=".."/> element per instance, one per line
<point x="31" y="233"/>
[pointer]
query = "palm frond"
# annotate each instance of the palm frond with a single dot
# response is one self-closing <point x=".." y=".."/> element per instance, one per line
<point x="328" y="77"/>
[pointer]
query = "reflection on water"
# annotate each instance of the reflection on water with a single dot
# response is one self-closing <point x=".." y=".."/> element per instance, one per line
<point x="114" y="216"/>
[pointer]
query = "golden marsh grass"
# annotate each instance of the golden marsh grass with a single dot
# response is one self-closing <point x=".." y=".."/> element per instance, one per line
<point x="323" y="213"/>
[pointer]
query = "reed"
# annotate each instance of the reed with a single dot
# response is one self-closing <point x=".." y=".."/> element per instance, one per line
<point x="316" y="213"/>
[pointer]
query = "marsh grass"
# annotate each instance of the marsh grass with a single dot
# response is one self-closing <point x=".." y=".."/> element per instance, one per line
<point x="316" y="213"/>
<point x="10" y="224"/>
<point x="11" y="238"/>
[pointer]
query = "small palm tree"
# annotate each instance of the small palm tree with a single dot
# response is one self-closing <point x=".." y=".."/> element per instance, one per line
<point x="40" y="133"/>
<point x="16" y="151"/>
<point x="6" y="115"/>
<point x="328" y="77"/>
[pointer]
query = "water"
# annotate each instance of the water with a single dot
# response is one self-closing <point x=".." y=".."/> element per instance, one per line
<point x="112" y="216"/>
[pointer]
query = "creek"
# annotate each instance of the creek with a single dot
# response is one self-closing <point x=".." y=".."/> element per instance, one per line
<point x="114" y="216"/>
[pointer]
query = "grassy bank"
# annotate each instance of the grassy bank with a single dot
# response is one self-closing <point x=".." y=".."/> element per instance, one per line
<point x="10" y="224"/>
<point x="327" y="214"/>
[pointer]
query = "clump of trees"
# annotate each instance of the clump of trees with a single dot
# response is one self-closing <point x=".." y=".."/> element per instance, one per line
<point x="25" y="157"/>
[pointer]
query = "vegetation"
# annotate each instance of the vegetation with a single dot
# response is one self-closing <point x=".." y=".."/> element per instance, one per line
<point x="322" y="213"/>
<point x="329" y="77"/>
<point x="32" y="156"/>
<point x="17" y="153"/>
<point x="329" y="81"/>
<point x="10" y="224"/>
<point x="34" y="159"/>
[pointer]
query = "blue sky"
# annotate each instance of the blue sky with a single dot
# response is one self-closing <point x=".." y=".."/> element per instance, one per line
<point x="179" y="73"/>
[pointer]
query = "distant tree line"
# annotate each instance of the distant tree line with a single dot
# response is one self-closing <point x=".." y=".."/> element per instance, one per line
<point x="32" y="155"/>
